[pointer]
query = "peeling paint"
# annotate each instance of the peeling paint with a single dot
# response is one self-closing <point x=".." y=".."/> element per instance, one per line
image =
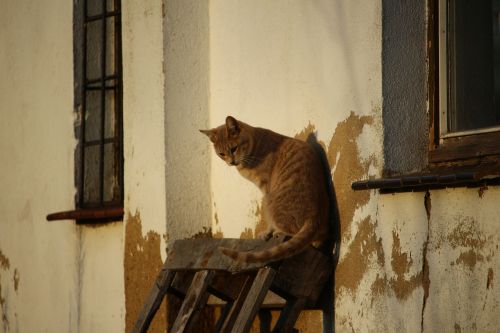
<point x="401" y="264"/>
<point x="466" y="234"/>
<point x="343" y="156"/>
<point x="481" y="191"/>
<point x="364" y="247"/>
<point x="205" y="232"/>
<point x="247" y="234"/>
<point x="4" y="261"/>
<point x="15" y="278"/>
<point x="142" y="263"/>
<point x="3" y="306"/>
<point x="4" y="265"/>
<point x="347" y="166"/>
<point x="489" y="279"/>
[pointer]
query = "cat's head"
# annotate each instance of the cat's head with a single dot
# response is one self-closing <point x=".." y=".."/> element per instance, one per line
<point x="231" y="141"/>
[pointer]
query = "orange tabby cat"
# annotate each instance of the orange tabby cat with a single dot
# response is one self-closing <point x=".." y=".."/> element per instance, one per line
<point x="289" y="173"/>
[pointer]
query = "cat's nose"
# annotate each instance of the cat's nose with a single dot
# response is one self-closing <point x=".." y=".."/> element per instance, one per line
<point x="232" y="163"/>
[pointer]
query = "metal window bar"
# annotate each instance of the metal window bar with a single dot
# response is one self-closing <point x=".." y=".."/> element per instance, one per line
<point x="99" y="84"/>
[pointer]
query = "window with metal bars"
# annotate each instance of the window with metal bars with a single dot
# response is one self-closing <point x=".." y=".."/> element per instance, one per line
<point x="98" y="104"/>
<point x="100" y="162"/>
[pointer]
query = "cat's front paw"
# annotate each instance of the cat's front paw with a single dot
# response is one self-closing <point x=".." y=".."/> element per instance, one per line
<point x="266" y="235"/>
<point x="278" y="234"/>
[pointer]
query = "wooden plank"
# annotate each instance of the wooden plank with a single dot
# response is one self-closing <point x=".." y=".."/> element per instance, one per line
<point x="198" y="254"/>
<point x="228" y="324"/>
<point x="254" y="299"/>
<point x="196" y="298"/>
<point x="181" y="283"/>
<point x="289" y="315"/>
<point x="154" y="300"/>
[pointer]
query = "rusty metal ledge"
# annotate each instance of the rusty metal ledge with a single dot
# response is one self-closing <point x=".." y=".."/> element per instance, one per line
<point x="427" y="181"/>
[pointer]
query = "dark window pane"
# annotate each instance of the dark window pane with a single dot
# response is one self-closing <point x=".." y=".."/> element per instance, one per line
<point x="110" y="119"/>
<point x="110" y="5"/>
<point x="110" y="46"/>
<point x="91" y="174"/>
<point x="94" y="7"/>
<point x="472" y="60"/>
<point x="93" y="116"/>
<point x="94" y="49"/>
<point x="111" y="184"/>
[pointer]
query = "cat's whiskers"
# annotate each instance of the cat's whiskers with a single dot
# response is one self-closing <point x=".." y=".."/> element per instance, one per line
<point x="249" y="160"/>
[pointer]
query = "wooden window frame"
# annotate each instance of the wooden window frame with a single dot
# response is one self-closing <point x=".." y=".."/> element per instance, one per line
<point x="471" y="149"/>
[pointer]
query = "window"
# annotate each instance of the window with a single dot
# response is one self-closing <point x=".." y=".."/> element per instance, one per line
<point x="467" y="63"/>
<point x="98" y="103"/>
<point x="100" y="163"/>
<point x="458" y="144"/>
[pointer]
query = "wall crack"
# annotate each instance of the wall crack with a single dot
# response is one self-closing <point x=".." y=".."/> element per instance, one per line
<point x="425" y="264"/>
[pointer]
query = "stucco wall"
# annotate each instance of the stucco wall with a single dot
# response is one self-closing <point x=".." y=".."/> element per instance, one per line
<point x="38" y="260"/>
<point x="292" y="67"/>
<point x="404" y="86"/>
<point x="144" y="154"/>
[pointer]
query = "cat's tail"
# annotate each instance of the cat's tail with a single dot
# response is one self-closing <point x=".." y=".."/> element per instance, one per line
<point x="291" y="247"/>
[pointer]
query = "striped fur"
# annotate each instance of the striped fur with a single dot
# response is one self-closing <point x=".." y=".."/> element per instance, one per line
<point x="290" y="176"/>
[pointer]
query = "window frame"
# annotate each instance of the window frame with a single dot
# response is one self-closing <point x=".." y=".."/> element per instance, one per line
<point x="101" y="211"/>
<point x="457" y="149"/>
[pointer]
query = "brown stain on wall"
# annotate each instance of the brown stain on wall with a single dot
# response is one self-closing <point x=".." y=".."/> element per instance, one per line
<point x="344" y="156"/>
<point x="247" y="234"/>
<point x="142" y="263"/>
<point x="361" y="251"/>
<point x="15" y="279"/>
<point x="4" y="261"/>
<point x="4" y="266"/>
<point x="466" y="235"/>
<point x="401" y="263"/>
<point x="489" y="279"/>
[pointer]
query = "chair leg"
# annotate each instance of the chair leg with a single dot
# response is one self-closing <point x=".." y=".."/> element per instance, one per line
<point x="194" y="301"/>
<point x="235" y="307"/>
<point x="154" y="300"/>
<point x="289" y="315"/>
<point x="254" y="299"/>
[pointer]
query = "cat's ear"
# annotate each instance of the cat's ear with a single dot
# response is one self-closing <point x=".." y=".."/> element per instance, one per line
<point x="209" y="133"/>
<point x="232" y="127"/>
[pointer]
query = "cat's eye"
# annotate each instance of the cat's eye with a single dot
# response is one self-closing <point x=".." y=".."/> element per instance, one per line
<point x="221" y="154"/>
<point x="234" y="149"/>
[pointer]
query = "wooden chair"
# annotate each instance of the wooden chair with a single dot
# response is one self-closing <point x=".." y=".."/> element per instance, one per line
<point x="195" y="269"/>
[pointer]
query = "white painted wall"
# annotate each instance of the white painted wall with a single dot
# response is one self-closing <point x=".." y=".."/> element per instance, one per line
<point x="283" y="65"/>
<point x="36" y="178"/>
<point x="143" y="113"/>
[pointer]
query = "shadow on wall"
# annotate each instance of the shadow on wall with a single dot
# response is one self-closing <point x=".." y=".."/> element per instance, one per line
<point x="327" y="299"/>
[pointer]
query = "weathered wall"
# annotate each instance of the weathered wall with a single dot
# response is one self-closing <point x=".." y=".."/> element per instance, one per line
<point x="418" y="261"/>
<point x="38" y="260"/>
<point x="144" y="147"/>
<point x="464" y="261"/>
<point x="186" y="110"/>
<point x="286" y="66"/>
<point x="302" y="67"/>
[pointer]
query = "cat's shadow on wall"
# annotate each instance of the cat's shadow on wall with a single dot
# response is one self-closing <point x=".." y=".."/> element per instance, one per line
<point x="327" y="300"/>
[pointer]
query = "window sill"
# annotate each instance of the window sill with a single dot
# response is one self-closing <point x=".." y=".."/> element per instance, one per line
<point x="89" y="215"/>
<point x="430" y="181"/>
